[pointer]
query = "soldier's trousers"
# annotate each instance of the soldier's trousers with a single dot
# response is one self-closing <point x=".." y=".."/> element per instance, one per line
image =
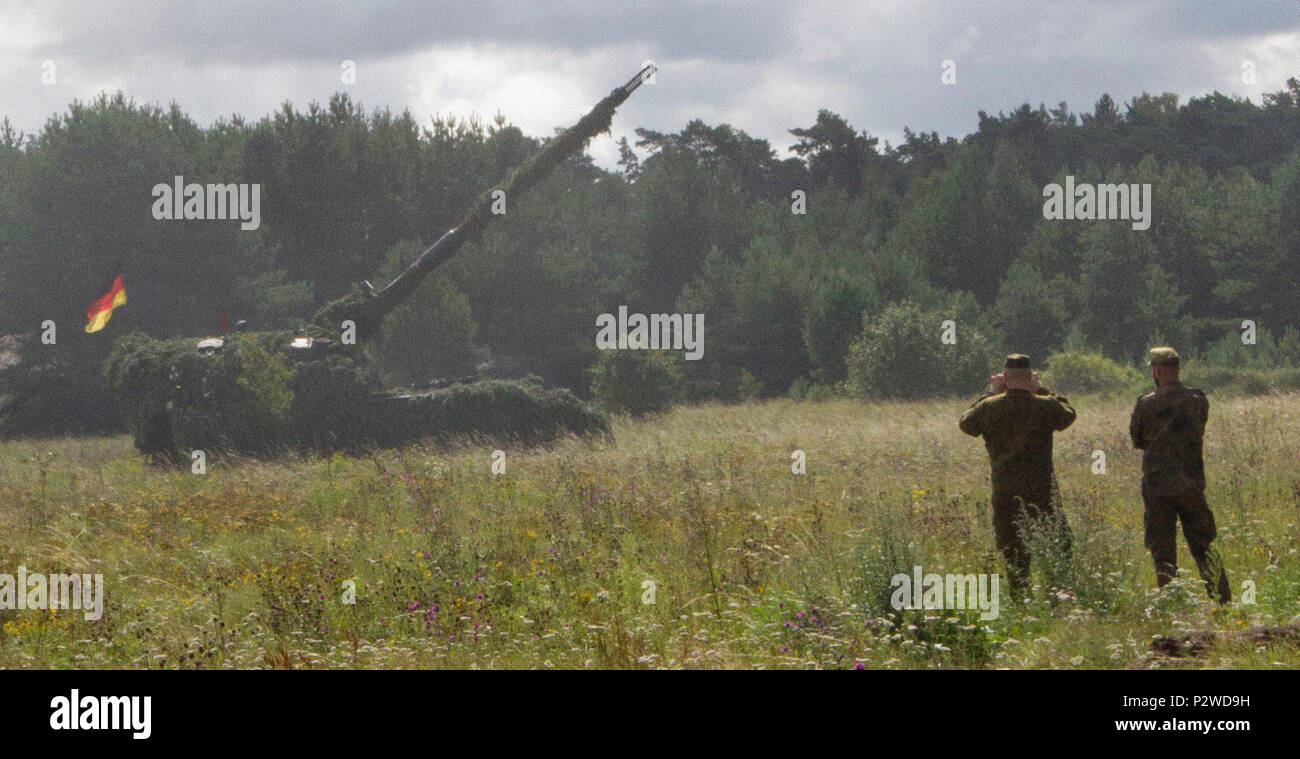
<point x="1014" y="520"/>
<point x="1160" y="522"/>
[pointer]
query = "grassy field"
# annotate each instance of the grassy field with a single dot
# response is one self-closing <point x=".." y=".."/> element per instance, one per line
<point x="545" y="565"/>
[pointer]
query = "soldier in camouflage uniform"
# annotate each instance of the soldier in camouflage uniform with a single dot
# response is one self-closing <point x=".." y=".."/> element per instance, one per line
<point x="1168" y="426"/>
<point x="1017" y="417"/>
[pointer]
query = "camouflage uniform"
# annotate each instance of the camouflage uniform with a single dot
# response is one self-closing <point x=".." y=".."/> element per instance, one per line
<point x="1168" y="426"/>
<point x="1017" y="426"/>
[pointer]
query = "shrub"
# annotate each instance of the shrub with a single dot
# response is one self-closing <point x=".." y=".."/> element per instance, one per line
<point x="1288" y="379"/>
<point x="1208" y="377"/>
<point x="637" y="382"/>
<point x="50" y="390"/>
<point x="1082" y="372"/>
<point x="899" y="355"/>
<point x="1254" y="383"/>
<point x="1239" y="380"/>
<point x="1268" y="352"/>
<point x="804" y="389"/>
<point x="748" y="387"/>
<point x="820" y="393"/>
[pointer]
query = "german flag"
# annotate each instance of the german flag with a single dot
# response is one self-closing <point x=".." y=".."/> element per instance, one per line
<point x="99" y="312"/>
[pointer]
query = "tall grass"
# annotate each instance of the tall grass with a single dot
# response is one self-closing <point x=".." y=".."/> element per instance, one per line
<point x="548" y="564"/>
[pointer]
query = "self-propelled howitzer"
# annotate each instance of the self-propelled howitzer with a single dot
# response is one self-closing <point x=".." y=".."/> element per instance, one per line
<point x="261" y="393"/>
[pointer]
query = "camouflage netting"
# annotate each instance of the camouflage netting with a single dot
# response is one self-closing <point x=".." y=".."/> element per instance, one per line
<point x="257" y="396"/>
<point x="175" y="398"/>
<point x="491" y="409"/>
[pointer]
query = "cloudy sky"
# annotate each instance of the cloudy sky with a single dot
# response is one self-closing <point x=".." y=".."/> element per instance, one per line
<point x="763" y="66"/>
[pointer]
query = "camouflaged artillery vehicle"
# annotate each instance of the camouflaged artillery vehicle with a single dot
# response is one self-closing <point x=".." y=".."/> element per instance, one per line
<point x="273" y="392"/>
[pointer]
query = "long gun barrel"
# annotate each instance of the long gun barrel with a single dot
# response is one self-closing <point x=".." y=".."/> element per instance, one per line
<point x="374" y="305"/>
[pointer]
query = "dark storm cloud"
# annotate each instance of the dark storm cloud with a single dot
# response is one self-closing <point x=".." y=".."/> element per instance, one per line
<point x="764" y="66"/>
<point x="1226" y="20"/>
<point x="316" y="31"/>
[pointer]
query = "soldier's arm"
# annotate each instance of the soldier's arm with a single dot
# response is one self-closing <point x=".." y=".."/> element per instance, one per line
<point x="1135" y="426"/>
<point x="972" y="422"/>
<point x="1064" y="413"/>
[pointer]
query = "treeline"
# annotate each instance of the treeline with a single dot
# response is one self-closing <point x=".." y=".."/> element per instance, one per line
<point x="707" y="223"/>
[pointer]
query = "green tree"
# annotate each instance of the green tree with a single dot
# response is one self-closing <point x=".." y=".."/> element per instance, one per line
<point x="901" y="354"/>
<point x="1031" y="314"/>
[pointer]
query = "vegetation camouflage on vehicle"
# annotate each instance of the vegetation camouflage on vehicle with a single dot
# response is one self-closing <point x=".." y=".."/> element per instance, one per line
<point x="261" y="393"/>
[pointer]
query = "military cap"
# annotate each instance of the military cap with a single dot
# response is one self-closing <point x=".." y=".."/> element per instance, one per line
<point x="1016" y="361"/>
<point x="1163" y="356"/>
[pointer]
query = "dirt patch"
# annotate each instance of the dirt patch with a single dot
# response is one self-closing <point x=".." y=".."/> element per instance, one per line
<point x="1199" y="642"/>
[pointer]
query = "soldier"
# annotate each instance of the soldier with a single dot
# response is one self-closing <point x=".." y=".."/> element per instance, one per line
<point x="1168" y="425"/>
<point x="1017" y="417"/>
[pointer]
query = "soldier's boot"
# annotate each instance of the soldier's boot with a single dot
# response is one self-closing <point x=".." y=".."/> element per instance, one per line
<point x="1210" y="565"/>
<point x="1199" y="529"/>
<point x="1166" y="566"/>
<point x="1164" y="555"/>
